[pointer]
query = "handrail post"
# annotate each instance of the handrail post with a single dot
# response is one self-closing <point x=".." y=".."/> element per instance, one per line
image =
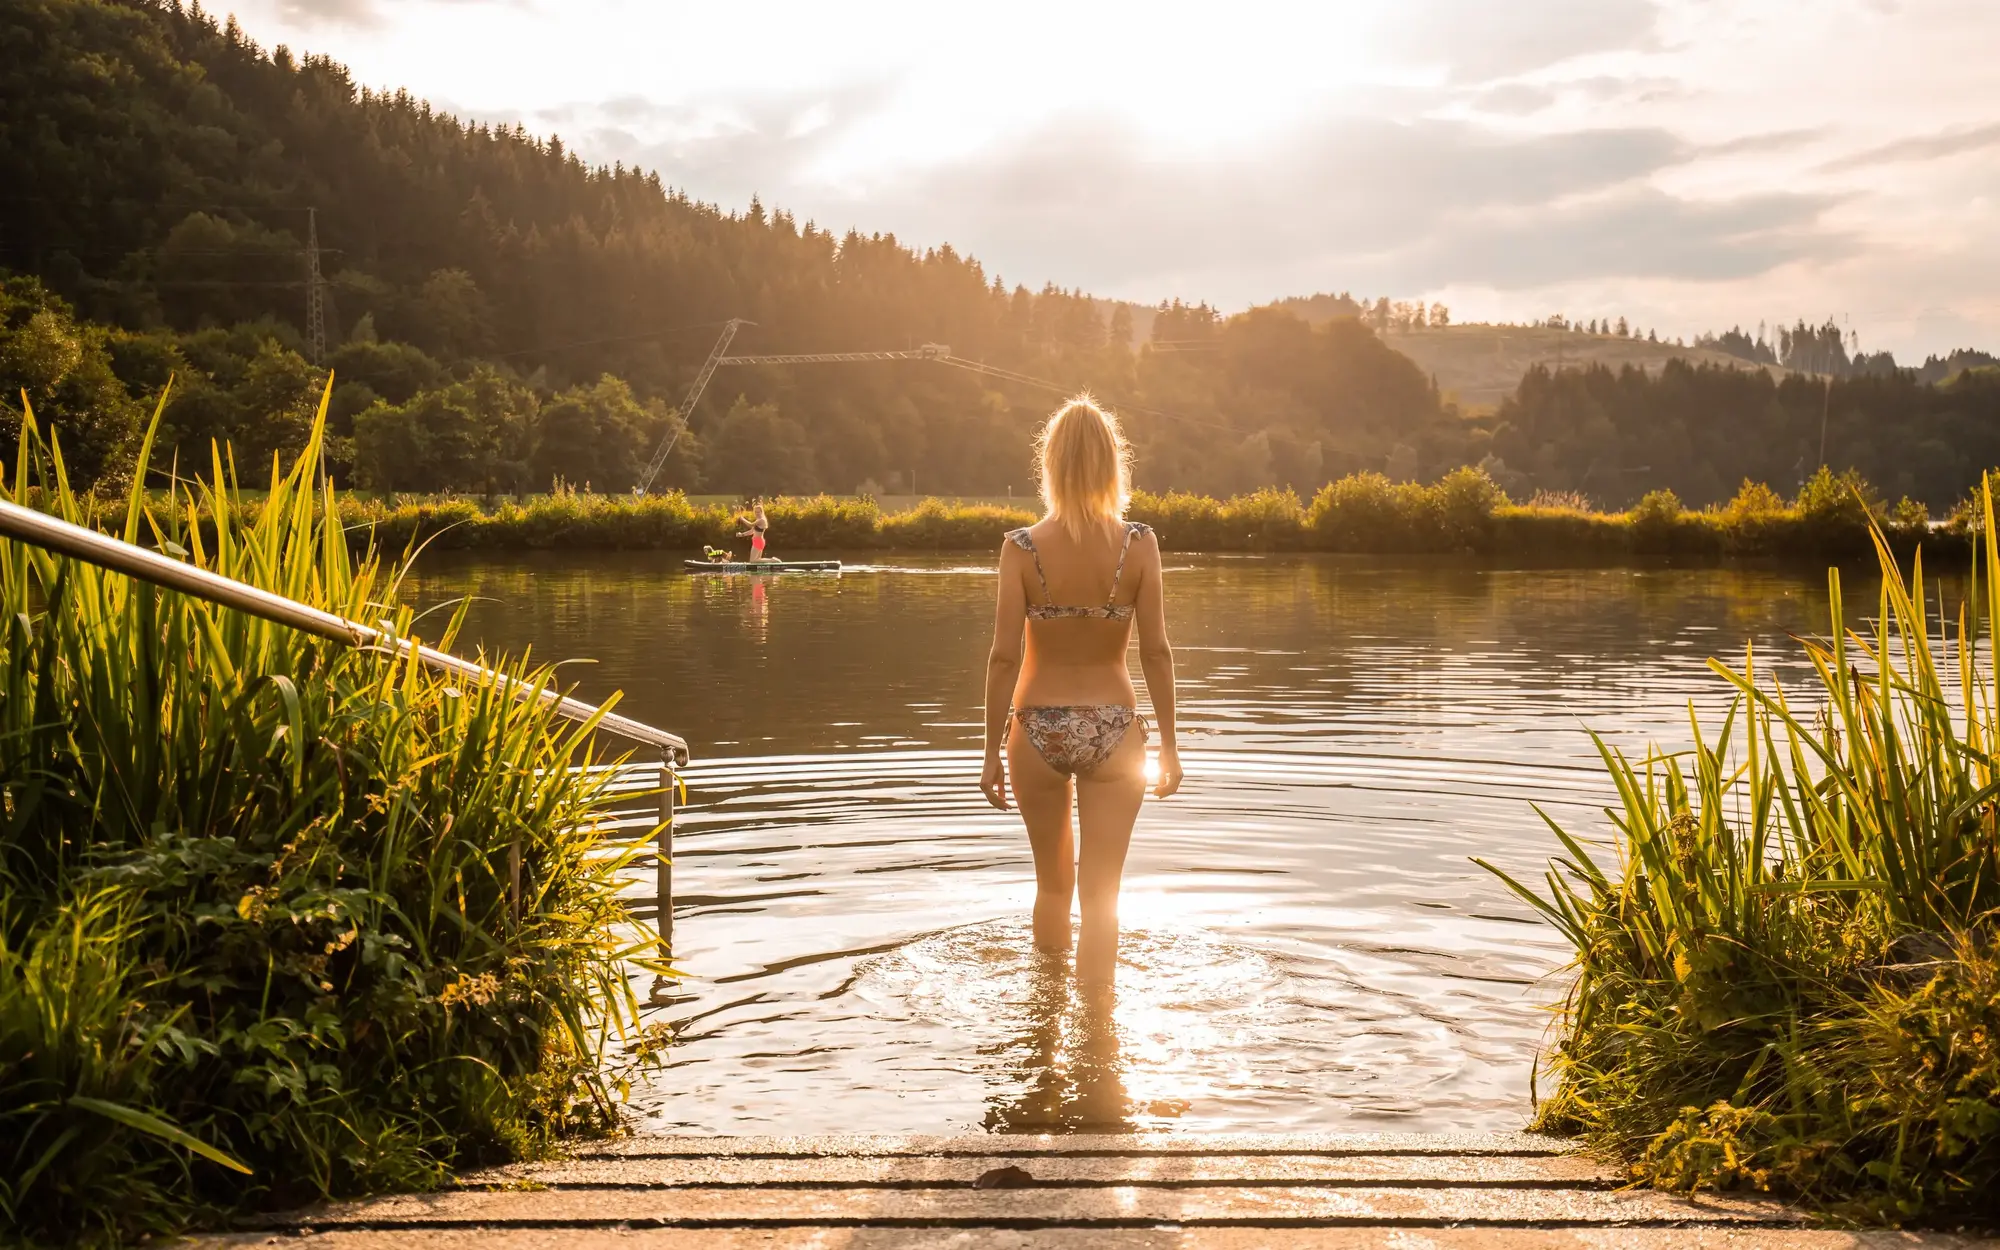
<point x="663" y="853"/>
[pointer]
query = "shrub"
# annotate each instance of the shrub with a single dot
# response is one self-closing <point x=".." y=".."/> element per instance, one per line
<point x="936" y="526"/>
<point x="1367" y="512"/>
<point x="271" y="901"/>
<point x="1185" y="522"/>
<point x="1655" y="520"/>
<point x="1789" y="978"/>
<point x="1466" y="501"/>
<point x="1266" y="520"/>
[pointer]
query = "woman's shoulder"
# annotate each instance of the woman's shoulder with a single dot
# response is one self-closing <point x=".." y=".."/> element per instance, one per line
<point x="1020" y="538"/>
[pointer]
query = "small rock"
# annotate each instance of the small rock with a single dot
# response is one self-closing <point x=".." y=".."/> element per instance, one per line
<point x="1009" y="1177"/>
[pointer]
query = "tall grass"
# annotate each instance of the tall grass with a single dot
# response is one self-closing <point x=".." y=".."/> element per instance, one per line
<point x="1786" y="971"/>
<point x="281" y="918"/>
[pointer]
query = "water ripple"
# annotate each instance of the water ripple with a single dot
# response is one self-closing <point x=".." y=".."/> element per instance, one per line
<point x="1307" y="944"/>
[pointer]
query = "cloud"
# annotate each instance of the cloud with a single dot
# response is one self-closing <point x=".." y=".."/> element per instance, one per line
<point x="329" y="12"/>
<point x="1482" y="40"/>
<point x="1632" y="232"/>
<point x="753" y="145"/>
<point x="1354" y="202"/>
<point x="1765" y="141"/>
<point x="1516" y="98"/>
<point x="1351" y="202"/>
<point x="367" y="13"/>
<point x="1935" y="147"/>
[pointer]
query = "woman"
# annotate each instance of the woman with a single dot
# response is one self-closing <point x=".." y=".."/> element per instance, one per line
<point x="758" y="524"/>
<point x="1061" y="707"/>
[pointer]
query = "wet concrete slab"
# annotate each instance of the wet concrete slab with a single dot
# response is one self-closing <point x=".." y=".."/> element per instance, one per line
<point x="1181" y="1170"/>
<point x="1377" y="1238"/>
<point x="1505" y="1191"/>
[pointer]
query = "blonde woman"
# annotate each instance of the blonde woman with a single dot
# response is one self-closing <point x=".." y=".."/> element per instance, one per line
<point x="1062" y="720"/>
<point x="759" y="523"/>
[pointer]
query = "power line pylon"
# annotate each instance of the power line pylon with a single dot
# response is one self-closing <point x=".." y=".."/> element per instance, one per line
<point x="315" y="297"/>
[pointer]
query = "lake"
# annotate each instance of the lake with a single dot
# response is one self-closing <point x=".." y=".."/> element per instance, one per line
<point x="1307" y="945"/>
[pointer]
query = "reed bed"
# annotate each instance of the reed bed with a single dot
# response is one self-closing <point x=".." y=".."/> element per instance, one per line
<point x="1463" y="512"/>
<point x="279" y="918"/>
<point x="1786" y="975"/>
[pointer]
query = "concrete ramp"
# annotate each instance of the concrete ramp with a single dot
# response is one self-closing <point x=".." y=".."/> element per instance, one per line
<point x="1073" y="1192"/>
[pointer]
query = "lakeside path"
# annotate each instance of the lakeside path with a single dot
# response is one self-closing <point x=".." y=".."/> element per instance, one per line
<point x="1226" y="1192"/>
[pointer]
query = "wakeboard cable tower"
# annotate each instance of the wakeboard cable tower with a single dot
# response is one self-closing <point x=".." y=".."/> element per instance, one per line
<point x="937" y="352"/>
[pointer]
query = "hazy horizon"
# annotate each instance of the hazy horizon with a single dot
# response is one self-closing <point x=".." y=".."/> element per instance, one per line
<point x="1688" y="164"/>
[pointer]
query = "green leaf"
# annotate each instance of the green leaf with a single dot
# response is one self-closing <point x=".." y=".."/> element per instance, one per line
<point x="131" y="1117"/>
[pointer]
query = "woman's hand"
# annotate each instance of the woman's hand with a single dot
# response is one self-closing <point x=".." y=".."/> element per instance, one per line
<point x="993" y="781"/>
<point x="1169" y="763"/>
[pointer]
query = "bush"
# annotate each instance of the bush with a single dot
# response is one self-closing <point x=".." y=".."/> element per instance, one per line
<point x="1789" y="979"/>
<point x="1466" y="499"/>
<point x="936" y="526"/>
<point x="273" y="903"/>
<point x="1366" y="513"/>
<point x="1655" y="520"/>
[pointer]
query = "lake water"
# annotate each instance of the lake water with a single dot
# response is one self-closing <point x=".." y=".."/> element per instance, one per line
<point x="1307" y="944"/>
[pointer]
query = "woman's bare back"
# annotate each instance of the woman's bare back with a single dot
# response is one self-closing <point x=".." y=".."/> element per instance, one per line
<point x="1080" y="659"/>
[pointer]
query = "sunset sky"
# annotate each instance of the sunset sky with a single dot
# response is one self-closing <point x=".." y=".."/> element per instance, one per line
<point x="1687" y="163"/>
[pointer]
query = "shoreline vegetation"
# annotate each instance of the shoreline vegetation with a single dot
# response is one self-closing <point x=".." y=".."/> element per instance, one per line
<point x="1787" y="968"/>
<point x="280" y="919"/>
<point x="1463" y="512"/>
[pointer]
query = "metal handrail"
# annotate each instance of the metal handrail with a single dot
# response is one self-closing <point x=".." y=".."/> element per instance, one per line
<point x="58" y="535"/>
<point x="55" y="534"/>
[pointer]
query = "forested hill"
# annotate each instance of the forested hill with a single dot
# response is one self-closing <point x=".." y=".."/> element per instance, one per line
<point x="499" y="313"/>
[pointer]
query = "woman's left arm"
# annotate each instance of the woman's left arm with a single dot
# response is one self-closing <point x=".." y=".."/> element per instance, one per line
<point x="1156" y="661"/>
<point x="1003" y="669"/>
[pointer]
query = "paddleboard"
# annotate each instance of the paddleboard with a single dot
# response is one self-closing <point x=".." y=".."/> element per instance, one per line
<point x="763" y="566"/>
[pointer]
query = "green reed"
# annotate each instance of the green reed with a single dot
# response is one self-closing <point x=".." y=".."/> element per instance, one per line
<point x="279" y="918"/>
<point x="1788" y="977"/>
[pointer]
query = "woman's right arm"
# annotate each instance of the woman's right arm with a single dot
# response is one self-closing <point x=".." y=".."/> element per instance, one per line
<point x="1003" y="669"/>
<point x="1156" y="661"/>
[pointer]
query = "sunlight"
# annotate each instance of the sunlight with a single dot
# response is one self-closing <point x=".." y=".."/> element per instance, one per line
<point x="1152" y="767"/>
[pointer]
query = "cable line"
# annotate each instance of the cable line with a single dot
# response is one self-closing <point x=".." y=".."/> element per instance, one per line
<point x="936" y="352"/>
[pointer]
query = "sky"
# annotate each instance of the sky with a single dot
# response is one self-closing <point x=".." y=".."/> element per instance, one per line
<point x="1688" y="164"/>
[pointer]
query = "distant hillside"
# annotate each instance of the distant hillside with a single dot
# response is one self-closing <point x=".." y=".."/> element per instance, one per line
<point x="1479" y="365"/>
<point x="499" y="312"/>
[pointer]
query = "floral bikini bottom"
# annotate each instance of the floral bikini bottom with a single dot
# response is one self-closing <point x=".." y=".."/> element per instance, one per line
<point x="1075" y="740"/>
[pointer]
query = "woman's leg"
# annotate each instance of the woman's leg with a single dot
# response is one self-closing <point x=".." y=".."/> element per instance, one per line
<point x="1107" y="803"/>
<point x="1043" y="795"/>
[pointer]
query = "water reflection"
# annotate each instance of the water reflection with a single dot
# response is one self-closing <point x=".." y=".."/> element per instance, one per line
<point x="1069" y="1074"/>
<point x="1307" y="945"/>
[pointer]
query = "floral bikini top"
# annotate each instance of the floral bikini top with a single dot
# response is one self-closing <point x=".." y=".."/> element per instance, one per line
<point x="1048" y="611"/>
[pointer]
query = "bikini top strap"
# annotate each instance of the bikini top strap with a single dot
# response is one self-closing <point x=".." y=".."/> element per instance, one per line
<point x="1132" y="530"/>
<point x="1022" y="539"/>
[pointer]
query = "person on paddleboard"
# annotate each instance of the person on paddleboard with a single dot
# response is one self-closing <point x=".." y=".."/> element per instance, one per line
<point x="758" y="524"/>
<point x="1063" y="727"/>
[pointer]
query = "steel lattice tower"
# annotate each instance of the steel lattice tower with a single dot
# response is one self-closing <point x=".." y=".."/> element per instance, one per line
<point x="315" y="297"/>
